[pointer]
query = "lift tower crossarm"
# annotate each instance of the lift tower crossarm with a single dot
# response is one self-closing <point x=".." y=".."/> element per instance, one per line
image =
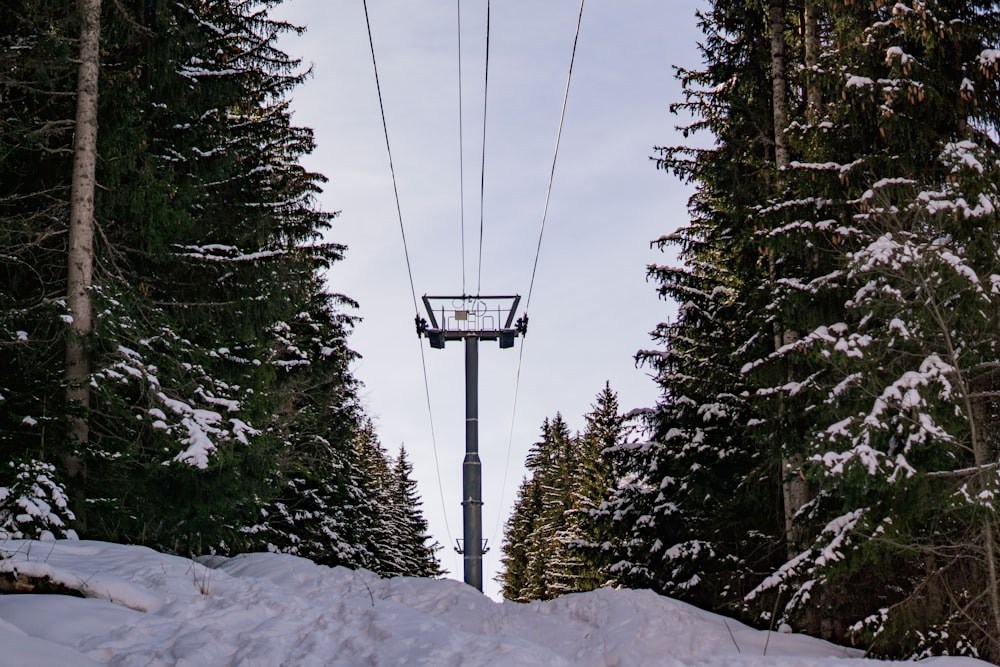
<point x="458" y="317"/>
<point x="471" y="319"/>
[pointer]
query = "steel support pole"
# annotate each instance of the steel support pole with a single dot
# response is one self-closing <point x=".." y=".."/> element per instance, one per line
<point x="472" y="479"/>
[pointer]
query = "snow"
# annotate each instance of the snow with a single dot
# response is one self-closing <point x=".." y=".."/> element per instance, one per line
<point x="989" y="57"/>
<point x="962" y="153"/>
<point x="897" y="53"/>
<point x="272" y="609"/>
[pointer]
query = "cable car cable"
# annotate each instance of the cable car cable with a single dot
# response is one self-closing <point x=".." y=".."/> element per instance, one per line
<point x="461" y="145"/>
<point x="538" y="249"/>
<point x="510" y="440"/>
<point x="555" y="157"/>
<point x="409" y="270"/>
<point x="482" y="169"/>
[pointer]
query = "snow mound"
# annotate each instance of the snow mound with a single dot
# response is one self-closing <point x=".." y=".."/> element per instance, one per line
<point x="147" y="608"/>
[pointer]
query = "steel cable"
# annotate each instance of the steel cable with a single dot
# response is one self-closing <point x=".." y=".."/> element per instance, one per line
<point x="409" y="270"/>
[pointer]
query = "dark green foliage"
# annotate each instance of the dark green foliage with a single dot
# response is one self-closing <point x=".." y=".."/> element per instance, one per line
<point x="37" y="78"/>
<point x="540" y="560"/>
<point x="558" y="539"/>
<point x="419" y="558"/>
<point x="223" y="410"/>
<point x="836" y="334"/>
<point x="889" y="379"/>
<point x="698" y="505"/>
<point x="517" y="531"/>
<point x="321" y="491"/>
<point x="589" y="528"/>
<point x="394" y="530"/>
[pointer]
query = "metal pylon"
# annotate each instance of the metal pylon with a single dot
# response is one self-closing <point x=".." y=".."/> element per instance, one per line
<point x="471" y="319"/>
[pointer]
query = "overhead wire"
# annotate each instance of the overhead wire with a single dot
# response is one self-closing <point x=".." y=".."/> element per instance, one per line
<point x="534" y="269"/>
<point x="482" y="168"/>
<point x="545" y="209"/>
<point x="461" y="148"/>
<point x="409" y="269"/>
<point x="555" y="157"/>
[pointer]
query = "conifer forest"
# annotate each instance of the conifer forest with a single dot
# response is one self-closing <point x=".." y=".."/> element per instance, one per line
<point x="824" y="455"/>
<point x="174" y="371"/>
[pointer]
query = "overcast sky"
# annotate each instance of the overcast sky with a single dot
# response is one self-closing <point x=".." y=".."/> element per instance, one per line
<point x="591" y="307"/>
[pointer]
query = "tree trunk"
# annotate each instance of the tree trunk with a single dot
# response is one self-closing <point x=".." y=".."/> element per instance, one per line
<point x="779" y="84"/>
<point x="795" y="489"/>
<point x="814" y="98"/>
<point x="80" y="259"/>
<point x="983" y="457"/>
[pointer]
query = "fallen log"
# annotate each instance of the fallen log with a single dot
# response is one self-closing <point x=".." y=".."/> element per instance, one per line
<point x="18" y="583"/>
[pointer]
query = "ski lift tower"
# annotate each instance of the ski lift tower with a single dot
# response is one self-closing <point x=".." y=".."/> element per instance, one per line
<point x="472" y="319"/>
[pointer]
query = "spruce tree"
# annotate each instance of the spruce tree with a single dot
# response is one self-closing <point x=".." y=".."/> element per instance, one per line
<point x="207" y="287"/>
<point x="513" y="576"/>
<point x="698" y="506"/>
<point x="589" y="530"/>
<point x="905" y="385"/>
<point x="393" y="531"/>
<point x="818" y="419"/>
<point x="38" y="74"/>
<point x="420" y="557"/>
<point x="542" y="558"/>
<point x="379" y="515"/>
<point x="321" y="490"/>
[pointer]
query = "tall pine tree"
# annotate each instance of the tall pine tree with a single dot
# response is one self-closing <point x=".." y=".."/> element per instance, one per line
<point x="539" y="563"/>
<point x="218" y="363"/>
<point x="827" y="385"/>
<point x="559" y="538"/>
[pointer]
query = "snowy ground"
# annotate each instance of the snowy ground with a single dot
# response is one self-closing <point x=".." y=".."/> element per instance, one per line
<point x="145" y="608"/>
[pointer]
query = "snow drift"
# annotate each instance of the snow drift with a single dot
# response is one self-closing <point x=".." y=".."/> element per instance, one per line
<point x="150" y="609"/>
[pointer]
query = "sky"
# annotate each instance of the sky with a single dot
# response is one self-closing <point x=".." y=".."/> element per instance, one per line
<point x="591" y="306"/>
<point x="146" y="608"/>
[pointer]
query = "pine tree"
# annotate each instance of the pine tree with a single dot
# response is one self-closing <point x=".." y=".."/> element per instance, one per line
<point x="420" y="557"/>
<point x="698" y="506"/>
<point x="513" y="576"/>
<point x="393" y="529"/>
<point x="314" y="515"/>
<point x="554" y="564"/>
<point x="223" y="255"/>
<point x="377" y="517"/>
<point x="814" y="420"/>
<point x="541" y="554"/>
<point x="589" y="530"/>
<point x="38" y="75"/>
<point x="907" y="388"/>
<point x="207" y="286"/>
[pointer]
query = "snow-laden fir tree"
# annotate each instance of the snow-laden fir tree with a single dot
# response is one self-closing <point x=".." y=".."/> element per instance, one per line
<point x="420" y="557"/>
<point x="322" y="493"/>
<point x="539" y="563"/>
<point x="589" y="531"/>
<point x="901" y="458"/>
<point x="207" y="289"/>
<point x="513" y="576"/>
<point x="826" y="386"/>
<point x="37" y="77"/>
<point x="560" y="536"/>
<point x="392" y="528"/>
<point x="698" y="507"/>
